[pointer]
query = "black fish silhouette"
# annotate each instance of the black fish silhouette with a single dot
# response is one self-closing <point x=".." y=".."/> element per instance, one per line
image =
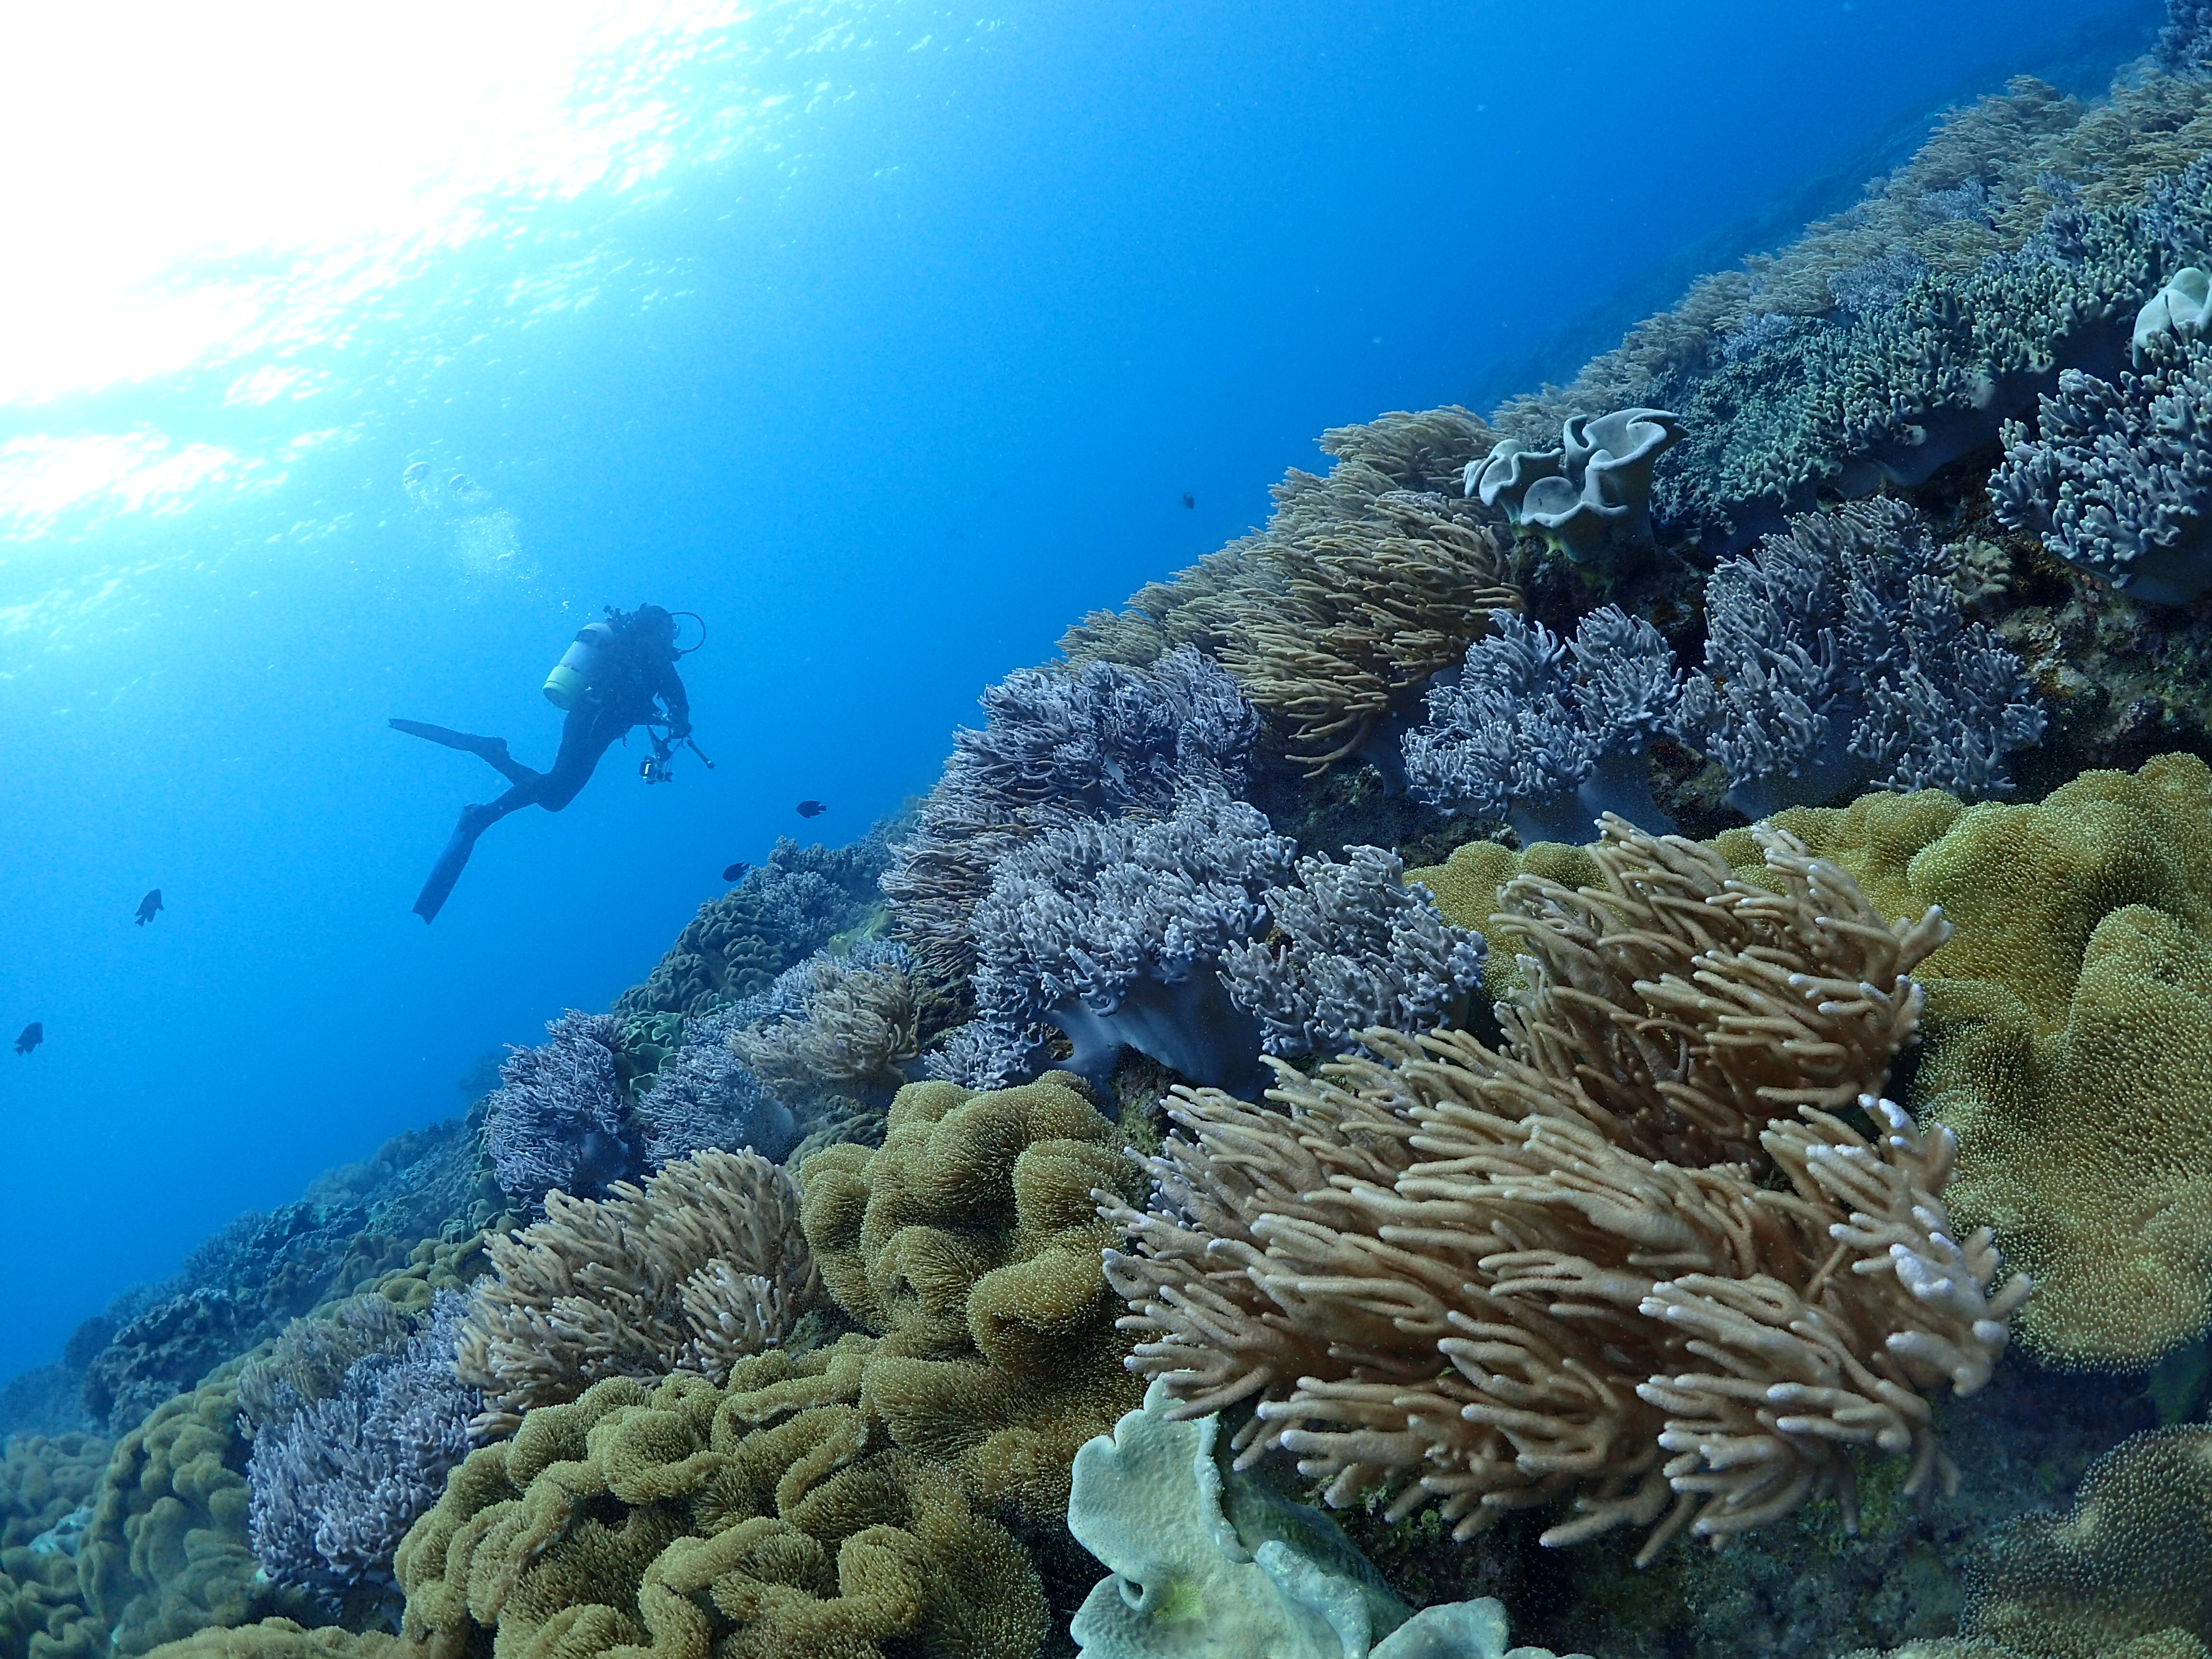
<point x="149" y="907"/>
<point x="1189" y="500"/>
<point x="34" y="1035"/>
<point x="811" y="809"/>
<point x="735" y="871"/>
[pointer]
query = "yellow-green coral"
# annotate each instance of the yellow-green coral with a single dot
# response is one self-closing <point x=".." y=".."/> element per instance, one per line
<point x="970" y="1243"/>
<point x="1465" y="888"/>
<point x="167" y="1552"/>
<point x="2069" y="1034"/>
<point x="281" y="1638"/>
<point x="772" y="1518"/>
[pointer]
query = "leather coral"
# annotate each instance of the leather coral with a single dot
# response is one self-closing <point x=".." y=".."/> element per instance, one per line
<point x="1667" y="1257"/>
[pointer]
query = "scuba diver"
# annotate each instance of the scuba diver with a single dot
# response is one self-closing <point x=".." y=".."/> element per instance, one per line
<point x="619" y="673"/>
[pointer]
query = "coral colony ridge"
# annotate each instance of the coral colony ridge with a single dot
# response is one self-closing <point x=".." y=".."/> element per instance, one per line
<point x="1602" y="1033"/>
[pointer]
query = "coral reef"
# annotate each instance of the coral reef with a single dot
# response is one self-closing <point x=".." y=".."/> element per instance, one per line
<point x="769" y="1519"/>
<point x="2118" y="479"/>
<point x="1112" y="932"/>
<point x="1099" y="739"/>
<point x="342" y="1467"/>
<point x="702" y="1267"/>
<point x="1836" y="656"/>
<point x="1521" y="735"/>
<point x="702" y="1097"/>
<point x="1483" y="1279"/>
<point x="1354" y="946"/>
<point x="967" y="1241"/>
<point x="166" y="1554"/>
<point x="853" y="1023"/>
<point x="1590" y="497"/>
<point x="2069" y="1023"/>
<point x="558" y="1121"/>
<point x="1365" y="584"/>
<point x="1261" y="1578"/>
<point x="781" y="912"/>
<point x="44" y="1488"/>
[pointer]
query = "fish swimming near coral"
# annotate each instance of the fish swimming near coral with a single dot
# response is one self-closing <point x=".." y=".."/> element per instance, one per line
<point x="34" y="1035"/>
<point x="811" y="809"/>
<point x="149" y="907"/>
<point x="737" y="872"/>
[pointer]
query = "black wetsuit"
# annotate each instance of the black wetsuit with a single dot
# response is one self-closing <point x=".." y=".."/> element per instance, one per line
<point x="633" y="686"/>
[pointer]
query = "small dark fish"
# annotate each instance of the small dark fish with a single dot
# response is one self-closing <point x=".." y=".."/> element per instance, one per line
<point x="34" y="1035"/>
<point x="811" y="809"/>
<point x="735" y="871"/>
<point x="149" y="907"/>
<point x="1189" y="500"/>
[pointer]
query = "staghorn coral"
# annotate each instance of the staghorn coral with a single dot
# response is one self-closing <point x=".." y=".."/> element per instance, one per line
<point x="781" y="912"/>
<point x="1364" y="583"/>
<point x="1635" y="1260"/>
<point x="558" y="1121"/>
<point x="773" y="1519"/>
<point x="851" y="1025"/>
<point x="1591" y="497"/>
<point x="1522" y="735"/>
<point x="2118" y="479"/>
<point x="1112" y="933"/>
<point x="2070" y="1036"/>
<point x="1097" y="739"/>
<point x="967" y="1241"/>
<point x="702" y="1265"/>
<point x="1837" y="654"/>
<point x="337" y="1479"/>
<point x="1354" y="946"/>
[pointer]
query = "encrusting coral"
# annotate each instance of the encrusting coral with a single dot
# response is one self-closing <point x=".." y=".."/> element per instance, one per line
<point x="968" y="1242"/>
<point x="702" y="1265"/>
<point x="1491" y="1279"/>
<point x="770" y="1519"/>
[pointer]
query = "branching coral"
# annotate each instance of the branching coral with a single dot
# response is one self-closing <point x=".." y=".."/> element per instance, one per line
<point x="1353" y="946"/>
<point x="703" y="1098"/>
<point x="1549" y="733"/>
<point x="1636" y="1260"/>
<point x="852" y="1027"/>
<point x="702" y="1267"/>
<point x="337" y="1478"/>
<point x="1098" y="740"/>
<point x="1112" y="932"/>
<point x="2117" y="479"/>
<point x="1837" y="654"/>
<point x="557" y="1121"/>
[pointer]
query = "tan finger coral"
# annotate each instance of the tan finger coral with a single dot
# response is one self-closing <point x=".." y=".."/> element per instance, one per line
<point x="773" y="1518"/>
<point x="968" y="1241"/>
<point x="1364" y="583"/>
<point x="703" y="1266"/>
<point x="2069" y="1034"/>
<point x="1639" y="1261"/>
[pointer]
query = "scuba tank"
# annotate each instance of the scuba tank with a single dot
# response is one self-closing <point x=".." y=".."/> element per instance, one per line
<point x="580" y="665"/>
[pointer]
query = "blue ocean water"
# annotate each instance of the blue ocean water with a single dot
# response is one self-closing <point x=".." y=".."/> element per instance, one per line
<point x="887" y="339"/>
